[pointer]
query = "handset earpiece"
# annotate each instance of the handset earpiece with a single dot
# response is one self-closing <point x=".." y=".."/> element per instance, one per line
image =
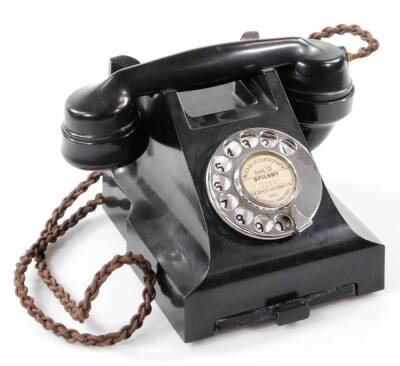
<point x="102" y="126"/>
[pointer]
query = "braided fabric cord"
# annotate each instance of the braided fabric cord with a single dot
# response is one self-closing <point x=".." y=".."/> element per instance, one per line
<point x="356" y="30"/>
<point x="79" y="312"/>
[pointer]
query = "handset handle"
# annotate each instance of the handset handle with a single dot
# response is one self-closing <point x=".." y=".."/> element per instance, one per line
<point x="109" y="101"/>
<point x="214" y="65"/>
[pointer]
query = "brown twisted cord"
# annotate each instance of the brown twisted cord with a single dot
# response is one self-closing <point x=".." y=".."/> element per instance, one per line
<point x="52" y="231"/>
<point x="372" y="43"/>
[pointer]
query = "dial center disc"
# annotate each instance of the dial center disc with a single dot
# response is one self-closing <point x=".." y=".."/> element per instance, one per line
<point x="268" y="179"/>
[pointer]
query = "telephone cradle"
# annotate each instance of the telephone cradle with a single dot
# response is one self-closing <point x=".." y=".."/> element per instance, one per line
<point x="208" y="174"/>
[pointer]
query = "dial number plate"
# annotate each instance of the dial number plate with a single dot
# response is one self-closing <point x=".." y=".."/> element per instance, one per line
<point x="257" y="177"/>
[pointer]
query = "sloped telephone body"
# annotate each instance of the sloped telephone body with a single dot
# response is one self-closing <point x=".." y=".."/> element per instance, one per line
<point x="211" y="275"/>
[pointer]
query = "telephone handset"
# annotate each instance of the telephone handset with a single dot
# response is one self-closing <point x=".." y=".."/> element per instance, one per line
<point x="102" y="123"/>
<point x="208" y="172"/>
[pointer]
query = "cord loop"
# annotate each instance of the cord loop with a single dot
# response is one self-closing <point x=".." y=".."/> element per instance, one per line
<point x="79" y="312"/>
<point x="354" y="29"/>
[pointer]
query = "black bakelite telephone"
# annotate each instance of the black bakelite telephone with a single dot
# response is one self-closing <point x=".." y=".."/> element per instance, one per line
<point x="207" y="172"/>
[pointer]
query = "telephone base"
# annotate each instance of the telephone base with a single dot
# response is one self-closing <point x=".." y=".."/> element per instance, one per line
<point x="210" y="276"/>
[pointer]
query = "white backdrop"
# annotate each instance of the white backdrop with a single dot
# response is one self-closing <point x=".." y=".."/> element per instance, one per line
<point x="50" y="48"/>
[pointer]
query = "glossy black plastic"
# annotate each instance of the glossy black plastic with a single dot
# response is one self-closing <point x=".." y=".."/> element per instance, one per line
<point x="211" y="277"/>
<point x="102" y="126"/>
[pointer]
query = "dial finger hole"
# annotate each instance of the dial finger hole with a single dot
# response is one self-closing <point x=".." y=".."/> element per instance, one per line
<point x="220" y="183"/>
<point x="283" y="223"/>
<point x="222" y="164"/>
<point x="248" y="139"/>
<point x="268" y="138"/>
<point x="287" y="147"/>
<point x="243" y="216"/>
<point x="263" y="224"/>
<point x="232" y="148"/>
<point x="228" y="201"/>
